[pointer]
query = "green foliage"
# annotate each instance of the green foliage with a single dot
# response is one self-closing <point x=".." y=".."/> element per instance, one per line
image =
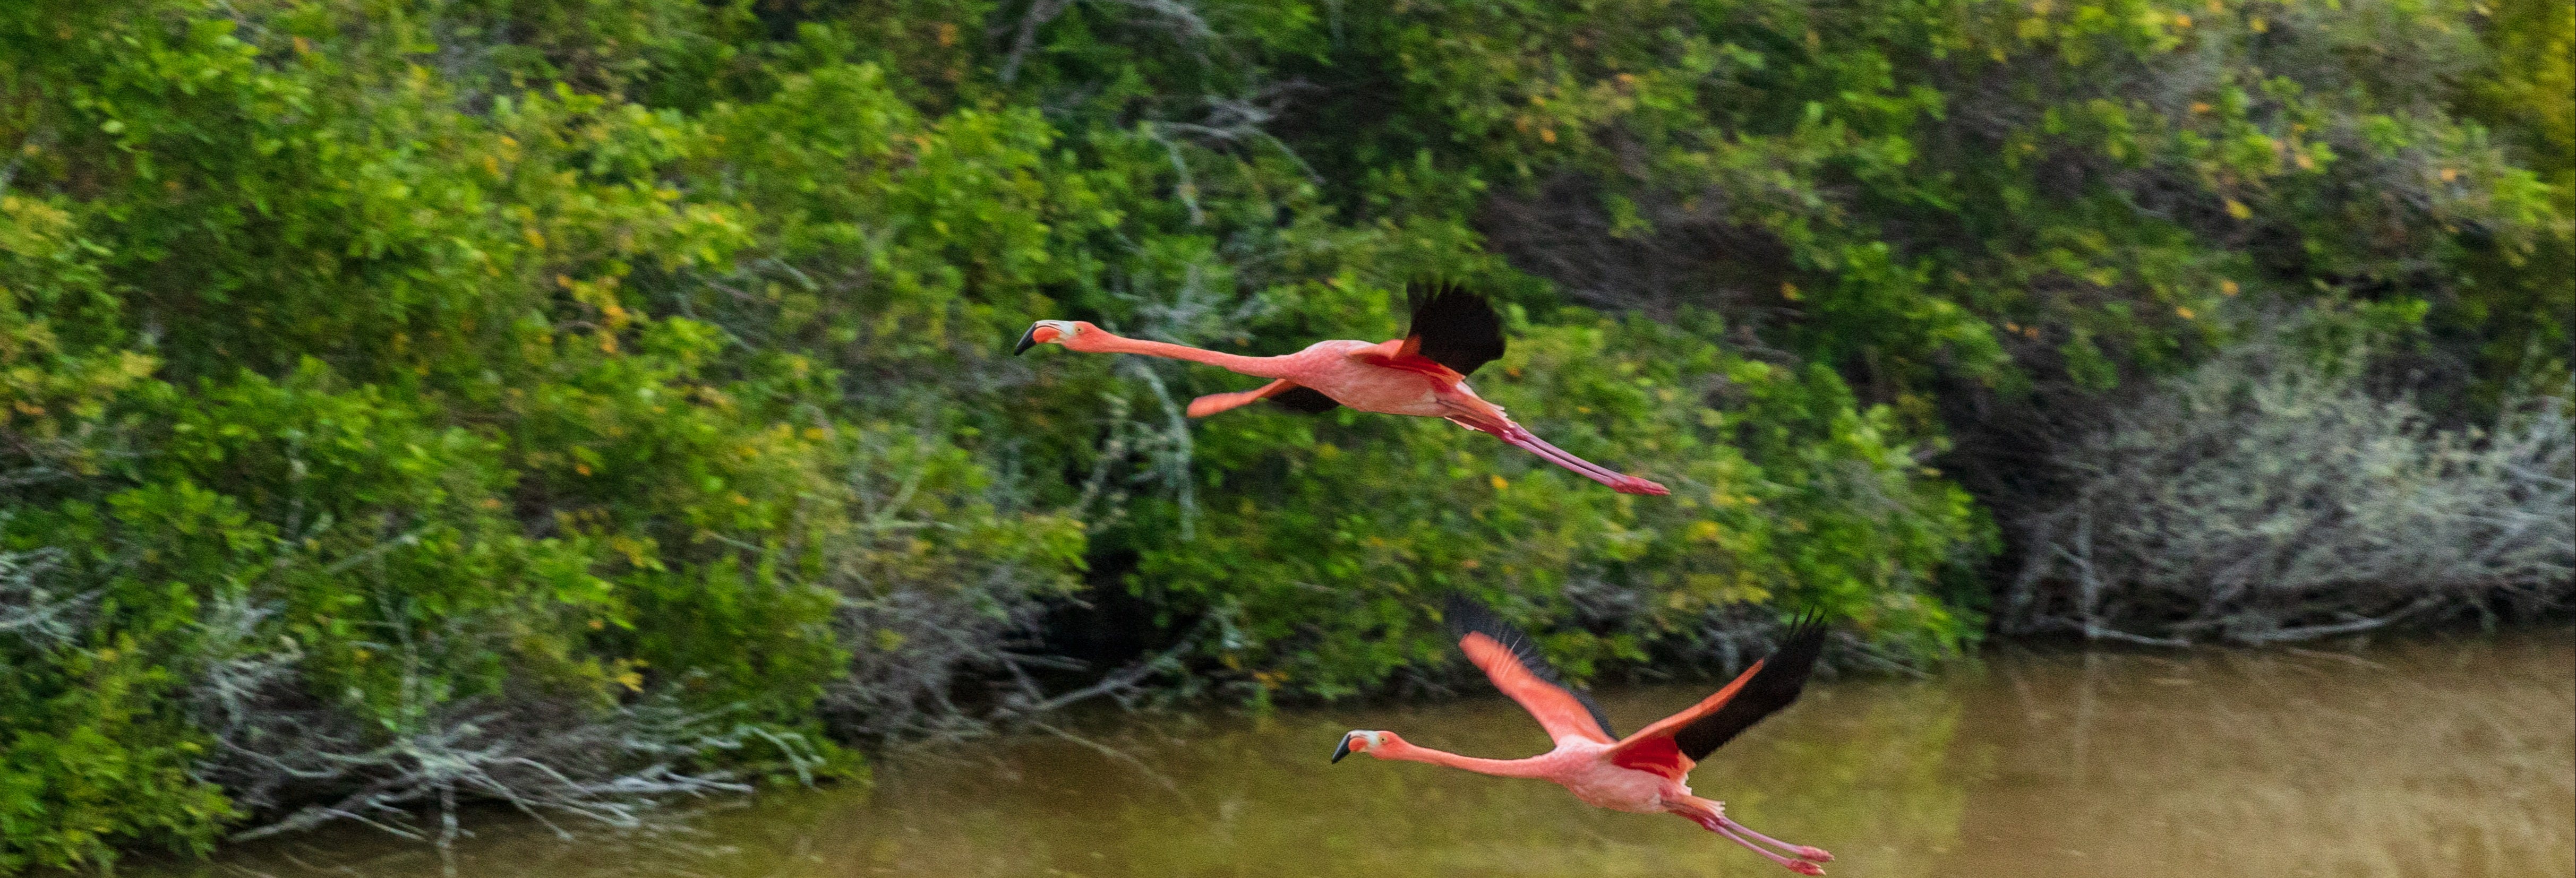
<point x="558" y="359"/>
<point x="1336" y="537"/>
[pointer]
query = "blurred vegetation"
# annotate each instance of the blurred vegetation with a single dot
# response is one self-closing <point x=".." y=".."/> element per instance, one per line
<point x="563" y="400"/>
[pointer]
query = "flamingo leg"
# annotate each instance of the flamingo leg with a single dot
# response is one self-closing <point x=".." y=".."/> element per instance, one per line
<point x="1720" y="825"/>
<point x="1529" y="440"/>
<point x="1801" y="867"/>
<point x="1515" y="435"/>
<point x="1804" y="852"/>
<point x="1520" y="437"/>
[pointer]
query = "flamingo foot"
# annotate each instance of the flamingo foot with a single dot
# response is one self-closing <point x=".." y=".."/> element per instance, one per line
<point x="1803" y="867"/>
<point x="1802" y="851"/>
<point x="1635" y="485"/>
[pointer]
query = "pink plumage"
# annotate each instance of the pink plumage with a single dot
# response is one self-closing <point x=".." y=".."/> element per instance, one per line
<point x="1423" y="374"/>
<point x="1643" y="772"/>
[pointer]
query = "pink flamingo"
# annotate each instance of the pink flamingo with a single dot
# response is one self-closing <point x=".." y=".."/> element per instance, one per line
<point x="1453" y="332"/>
<point x="1643" y="772"/>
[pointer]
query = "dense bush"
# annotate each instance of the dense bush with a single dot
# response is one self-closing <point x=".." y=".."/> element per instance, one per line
<point x="2270" y="496"/>
<point x="565" y="401"/>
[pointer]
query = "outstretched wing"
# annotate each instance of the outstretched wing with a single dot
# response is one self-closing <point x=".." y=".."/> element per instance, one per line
<point x="1220" y="402"/>
<point x="1507" y="658"/>
<point x="1452" y="326"/>
<point x="1306" y="400"/>
<point x="1673" y="744"/>
<point x="1282" y="391"/>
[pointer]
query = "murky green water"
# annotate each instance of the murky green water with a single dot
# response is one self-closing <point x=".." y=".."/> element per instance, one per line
<point x="2452" y="758"/>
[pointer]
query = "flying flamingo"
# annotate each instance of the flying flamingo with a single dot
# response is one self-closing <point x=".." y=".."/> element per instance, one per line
<point x="1453" y="332"/>
<point x="1643" y="772"/>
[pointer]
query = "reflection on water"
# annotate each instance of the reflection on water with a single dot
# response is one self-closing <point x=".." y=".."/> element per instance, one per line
<point x="2448" y="758"/>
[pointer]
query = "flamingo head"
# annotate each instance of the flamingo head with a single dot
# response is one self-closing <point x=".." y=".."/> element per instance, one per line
<point x="1061" y="332"/>
<point x="1356" y="741"/>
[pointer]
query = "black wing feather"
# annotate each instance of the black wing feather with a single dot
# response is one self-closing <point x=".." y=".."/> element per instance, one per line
<point x="1305" y="399"/>
<point x="1467" y="616"/>
<point x="1459" y="329"/>
<point x="1783" y="676"/>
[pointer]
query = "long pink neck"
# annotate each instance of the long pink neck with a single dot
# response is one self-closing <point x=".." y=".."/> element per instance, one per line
<point x="1405" y="750"/>
<point x="1099" y="341"/>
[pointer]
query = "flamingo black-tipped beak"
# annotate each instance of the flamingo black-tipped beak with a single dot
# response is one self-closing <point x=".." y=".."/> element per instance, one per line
<point x="1343" y="750"/>
<point x="1028" y="340"/>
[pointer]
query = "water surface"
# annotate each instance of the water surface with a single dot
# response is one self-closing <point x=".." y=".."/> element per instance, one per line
<point x="2445" y="757"/>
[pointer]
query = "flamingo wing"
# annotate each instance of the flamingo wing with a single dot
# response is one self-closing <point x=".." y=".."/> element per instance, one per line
<point x="1284" y="392"/>
<point x="1454" y="332"/>
<point x="1453" y="326"/>
<point x="1673" y="744"/>
<point x="1508" y="659"/>
<point x="1306" y="400"/>
<point x="1218" y="402"/>
<point x="1287" y="394"/>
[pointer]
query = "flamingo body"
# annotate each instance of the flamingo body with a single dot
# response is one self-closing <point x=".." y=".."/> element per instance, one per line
<point x="1423" y="374"/>
<point x="1583" y="769"/>
<point x="1643" y="773"/>
<point x="1341" y="369"/>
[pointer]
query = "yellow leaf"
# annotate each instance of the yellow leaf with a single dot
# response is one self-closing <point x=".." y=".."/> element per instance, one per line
<point x="2227" y="288"/>
<point x="1499" y="484"/>
<point x="2238" y="209"/>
